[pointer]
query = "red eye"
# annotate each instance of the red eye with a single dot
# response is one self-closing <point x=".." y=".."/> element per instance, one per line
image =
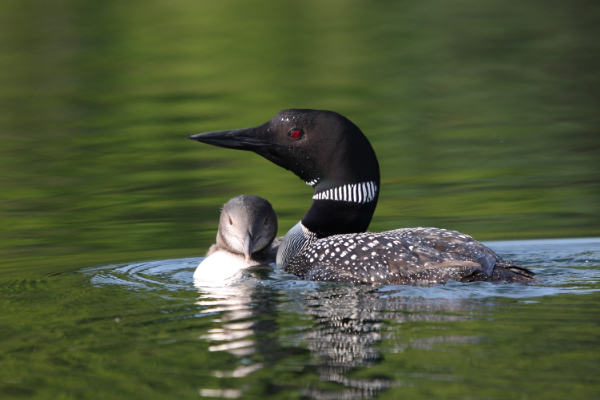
<point x="295" y="133"/>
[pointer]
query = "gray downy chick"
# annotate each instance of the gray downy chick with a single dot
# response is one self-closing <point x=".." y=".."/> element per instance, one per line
<point x="247" y="227"/>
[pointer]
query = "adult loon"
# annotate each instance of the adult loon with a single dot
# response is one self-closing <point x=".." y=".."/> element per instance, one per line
<point x="247" y="227"/>
<point x="331" y="154"/>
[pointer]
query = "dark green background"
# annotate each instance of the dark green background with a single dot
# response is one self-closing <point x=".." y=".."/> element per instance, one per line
<point x="484" y="115"/>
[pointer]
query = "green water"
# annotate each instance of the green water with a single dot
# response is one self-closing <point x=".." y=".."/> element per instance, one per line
<point x="485" y="119"/>
<point x="143" y="331"/>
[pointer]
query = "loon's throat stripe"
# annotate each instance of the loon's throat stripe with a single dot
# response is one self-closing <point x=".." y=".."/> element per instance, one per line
<point x="363" y="192"/>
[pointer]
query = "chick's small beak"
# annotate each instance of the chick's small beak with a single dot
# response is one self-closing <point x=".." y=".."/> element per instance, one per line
<point x="248" y="245"/>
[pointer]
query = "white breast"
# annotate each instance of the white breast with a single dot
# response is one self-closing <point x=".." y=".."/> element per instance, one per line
<point x="220" y="266"/>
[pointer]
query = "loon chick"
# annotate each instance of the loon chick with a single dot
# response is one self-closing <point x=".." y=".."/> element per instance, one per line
<point x="331" y="154"/>
<point x="247" y="227"/>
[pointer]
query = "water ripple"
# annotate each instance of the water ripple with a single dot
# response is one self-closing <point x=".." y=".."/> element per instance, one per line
<point x="345" y="326"/>
<point x="561" y="265"/>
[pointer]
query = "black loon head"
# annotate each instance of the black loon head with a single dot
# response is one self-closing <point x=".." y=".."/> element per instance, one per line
<point x="248" y="224"/>
<point x="328" y="152"/>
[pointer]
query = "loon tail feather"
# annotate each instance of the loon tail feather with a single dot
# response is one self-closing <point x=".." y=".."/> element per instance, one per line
<point x="506" y="271"/>
<point x="516" y="268"/>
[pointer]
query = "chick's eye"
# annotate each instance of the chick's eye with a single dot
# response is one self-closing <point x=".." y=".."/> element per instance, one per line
<point x="266" y="220"/>
<point x="295" y="133"/>
<point x="230" y="221"/>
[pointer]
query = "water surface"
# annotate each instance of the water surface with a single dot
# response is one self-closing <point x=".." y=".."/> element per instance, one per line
<point x="144" y="330"/>
<point x="484" y="117"/>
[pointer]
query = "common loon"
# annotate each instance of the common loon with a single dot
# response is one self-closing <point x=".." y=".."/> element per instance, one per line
<point x="247" y="227"/>
<point x="331" y="154"/>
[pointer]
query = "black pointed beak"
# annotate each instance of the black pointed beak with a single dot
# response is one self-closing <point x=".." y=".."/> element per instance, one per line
<point x="241" y="139"/>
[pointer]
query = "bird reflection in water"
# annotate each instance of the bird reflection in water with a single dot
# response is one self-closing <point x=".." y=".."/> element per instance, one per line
<point x="348" y="323"/>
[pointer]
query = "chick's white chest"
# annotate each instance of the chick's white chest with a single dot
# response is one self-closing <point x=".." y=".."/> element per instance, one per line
<point x="221" y="265"/>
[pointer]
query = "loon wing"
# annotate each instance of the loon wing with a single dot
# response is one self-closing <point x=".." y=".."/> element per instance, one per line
<point x="452" y="242"/>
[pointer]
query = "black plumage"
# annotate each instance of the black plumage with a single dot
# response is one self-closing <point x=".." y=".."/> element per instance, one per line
<point x="413" y="255"/>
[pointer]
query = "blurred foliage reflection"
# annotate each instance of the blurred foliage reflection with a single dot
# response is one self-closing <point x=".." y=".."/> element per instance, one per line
<point x="484" y="116"/>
